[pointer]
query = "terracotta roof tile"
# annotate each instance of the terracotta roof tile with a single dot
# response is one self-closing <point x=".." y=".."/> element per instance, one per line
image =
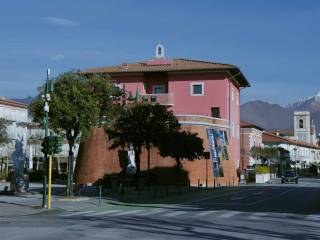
<point x="173" y="65"/>
<point x="283" y="132"/>
<point x="249" y="125"/>
<point x="271" y="138"/>
<point x="9" y="102"/>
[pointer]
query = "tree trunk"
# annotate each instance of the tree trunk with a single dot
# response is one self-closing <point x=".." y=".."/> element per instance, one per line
<point x="149" y="173"/>
<point x="70" y="170"/>
<point x="178" y="175"/>
<point x="137" y="159"/>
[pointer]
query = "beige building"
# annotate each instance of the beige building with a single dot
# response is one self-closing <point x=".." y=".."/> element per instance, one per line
<point x="251" y="136"/>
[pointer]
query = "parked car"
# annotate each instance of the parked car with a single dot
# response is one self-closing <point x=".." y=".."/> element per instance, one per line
<point x="289" y="176"/>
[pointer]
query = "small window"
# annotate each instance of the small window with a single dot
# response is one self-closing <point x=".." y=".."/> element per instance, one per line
<point x="300" y="123"/>
<point x="159" y="89"/>
<point x="197" y="89"/>
<point x="215" y="112"/>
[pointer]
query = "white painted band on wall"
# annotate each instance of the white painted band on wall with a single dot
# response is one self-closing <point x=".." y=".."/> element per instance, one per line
<point x="203" y="124"/>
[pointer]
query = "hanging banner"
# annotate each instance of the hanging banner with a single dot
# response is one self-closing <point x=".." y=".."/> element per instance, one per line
<point x="218" y="142"/>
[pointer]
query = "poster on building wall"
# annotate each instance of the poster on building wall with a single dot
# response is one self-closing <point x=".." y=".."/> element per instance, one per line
<point x="218" y="142"/>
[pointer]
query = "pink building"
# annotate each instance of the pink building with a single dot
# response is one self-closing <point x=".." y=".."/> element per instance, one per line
<point x="191" y="88"/>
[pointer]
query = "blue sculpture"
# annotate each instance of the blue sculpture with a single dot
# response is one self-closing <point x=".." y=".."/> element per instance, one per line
<point x="18" y="159"/>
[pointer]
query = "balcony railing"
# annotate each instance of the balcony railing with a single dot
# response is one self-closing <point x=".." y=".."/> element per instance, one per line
<point x="162" y="99"/>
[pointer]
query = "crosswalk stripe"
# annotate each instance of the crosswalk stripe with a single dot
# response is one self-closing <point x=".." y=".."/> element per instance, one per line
<point x="102" y="213"/>
<point x="313" y="217"/>
<point x="127" y="212"/>
<point x="257" y="193"/>
<point x="257" y="216"/>
<point x="201" y="214"/>
<point x="150" y="212"/>
<point x="175" y="213"/>
<point x="75" y="214"/>
<point x="229" y="214"/>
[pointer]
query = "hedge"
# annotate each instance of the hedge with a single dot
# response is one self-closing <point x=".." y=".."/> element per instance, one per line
<point x="262" y="169"/>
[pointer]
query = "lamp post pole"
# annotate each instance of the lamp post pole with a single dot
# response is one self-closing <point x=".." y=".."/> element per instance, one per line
<point x="46" y="99"/>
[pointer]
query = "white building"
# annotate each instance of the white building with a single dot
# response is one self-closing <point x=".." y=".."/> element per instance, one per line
<point x="304" y="128"/>
<point x="20" y="126"/>
<point x="302" y="155"/>
<point x="16" y="115"/>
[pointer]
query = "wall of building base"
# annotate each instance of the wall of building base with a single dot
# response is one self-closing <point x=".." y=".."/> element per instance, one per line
<point x="96" y="160"/>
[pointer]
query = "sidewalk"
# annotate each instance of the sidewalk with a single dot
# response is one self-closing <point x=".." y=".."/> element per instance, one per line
<point x="31" y="203"/>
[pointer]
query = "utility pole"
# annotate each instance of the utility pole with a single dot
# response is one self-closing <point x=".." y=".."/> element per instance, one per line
<point x="46" y="98"/>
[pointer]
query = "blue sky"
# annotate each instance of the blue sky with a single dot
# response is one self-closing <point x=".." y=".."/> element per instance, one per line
<point x="275" y="43"/>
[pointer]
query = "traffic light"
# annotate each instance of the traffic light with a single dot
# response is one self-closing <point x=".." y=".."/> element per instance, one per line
<point x="45" y="146"/>
<point x="51" y="145"/>
<point x="56" y="144"/>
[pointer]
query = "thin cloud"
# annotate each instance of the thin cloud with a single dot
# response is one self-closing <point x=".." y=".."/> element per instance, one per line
<point x="63" y="22"/>
<point x="57" y="57"/>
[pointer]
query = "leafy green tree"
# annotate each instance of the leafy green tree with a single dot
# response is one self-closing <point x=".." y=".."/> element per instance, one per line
<point x="265" y="153"/>
<point x="159" y="123"/>
<point x="142" y="125"/>
<point x="77" y="104"/>
<point x="3" y="132"/>
<point x="104" y="91"/>
<point x="181" y="145"/>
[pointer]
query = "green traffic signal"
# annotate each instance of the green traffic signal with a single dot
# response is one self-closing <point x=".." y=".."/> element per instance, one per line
<point x="51" y="145"/>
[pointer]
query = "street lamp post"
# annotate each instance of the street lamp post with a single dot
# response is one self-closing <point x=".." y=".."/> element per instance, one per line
<point x="46" y="98"/>
<point x="295" y="158"/>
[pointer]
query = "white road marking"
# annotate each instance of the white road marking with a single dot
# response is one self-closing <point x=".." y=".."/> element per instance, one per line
<point x="313" y="217"/>
<point x="175" y="213"/>
<point x="257" y="193"/>
<point x="150" y="212"/>
<point x="236" y="198"/>
<point x="229" y="214"/>
<point x="75" y="214"/>
<point x="205" y="213"/>
<point x="257" y="216"/>
<point x="127" y="212"/>
<point x="102" y="213"/>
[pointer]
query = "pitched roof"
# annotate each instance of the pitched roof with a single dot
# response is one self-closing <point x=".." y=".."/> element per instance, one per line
<point x="250" y="125"/>
<point x="283" y="132"/>
<point x="172" y="65"/>
<point x="9" y="102"/>
<point x="268" y="137"/>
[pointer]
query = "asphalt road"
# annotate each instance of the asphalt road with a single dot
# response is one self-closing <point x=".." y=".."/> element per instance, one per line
<point x="272" y="211"/>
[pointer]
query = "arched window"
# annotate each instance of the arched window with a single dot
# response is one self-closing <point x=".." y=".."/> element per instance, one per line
<point x="300" y="123"/>
<point x="159" y="51"/>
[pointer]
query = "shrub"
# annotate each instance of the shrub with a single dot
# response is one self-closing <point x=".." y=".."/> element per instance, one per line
<point x="36" y="176"/>
<point x="262" y="169"/>
<point x="3" y="175"/>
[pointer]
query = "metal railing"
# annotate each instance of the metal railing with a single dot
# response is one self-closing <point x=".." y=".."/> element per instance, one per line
<point x="162" y="99"/>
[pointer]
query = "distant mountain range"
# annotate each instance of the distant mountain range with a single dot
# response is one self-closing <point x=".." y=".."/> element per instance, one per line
<point x="26" y="100"/>
<point x="275" y="117"/>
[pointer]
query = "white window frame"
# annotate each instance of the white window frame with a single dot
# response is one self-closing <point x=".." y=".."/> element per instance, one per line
<point x="191" y="88"/>
<point x="157" y="86"/>
<point x="232" y="94"/>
